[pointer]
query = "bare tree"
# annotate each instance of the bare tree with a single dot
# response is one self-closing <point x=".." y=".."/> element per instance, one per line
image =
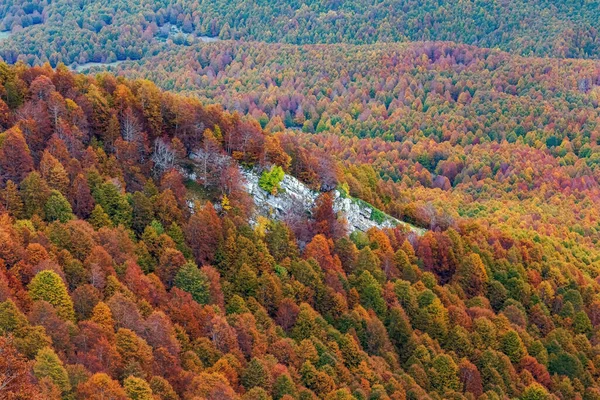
<point x="130" y="126"/>
<point x="56" y="107"/>
<point x="163" y="156"/>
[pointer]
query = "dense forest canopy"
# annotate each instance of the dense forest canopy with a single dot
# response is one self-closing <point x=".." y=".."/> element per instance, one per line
<point x="476" y="132"/>
<point x="108" y="30"/>
<point x="112" y="285"/>
<point x="135" y="265"/>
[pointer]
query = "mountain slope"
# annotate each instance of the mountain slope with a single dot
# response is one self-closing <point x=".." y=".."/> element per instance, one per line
<point x="471" y="132"/>
<point x="111" y="285"/>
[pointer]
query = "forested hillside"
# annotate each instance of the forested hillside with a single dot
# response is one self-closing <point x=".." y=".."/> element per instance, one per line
<point x="112" y="286"/>
<point x="177" y="228"/>
<point x="475" y="132"/>
<point x="108" y="30"/>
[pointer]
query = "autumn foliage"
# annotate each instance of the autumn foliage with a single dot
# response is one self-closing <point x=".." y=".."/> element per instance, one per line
<point x="123" y="277"/>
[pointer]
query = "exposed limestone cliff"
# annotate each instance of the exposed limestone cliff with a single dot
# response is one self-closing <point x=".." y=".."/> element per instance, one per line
<point x="360" y="215"/>
<point x="295" y="195"/>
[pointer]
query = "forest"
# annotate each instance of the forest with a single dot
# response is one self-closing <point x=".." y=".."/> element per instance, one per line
<point x="135" y="263"/>
<point x="428" y="132"/>
<point x="121" y="279"/>
<point x="109" y="30"/>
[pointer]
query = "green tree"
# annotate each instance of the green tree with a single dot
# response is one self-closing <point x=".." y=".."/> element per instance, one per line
<point x="471" y="275"/>
<point x="535" y="391"/>
<point x="162" y="388"/>
<point x="137" y="388"/>
<point x="400" y="331"/>
<point x="270" y="180"/>
<point x="371" y="293"/>
<point x="255" y="375"/>
<point x="57" y="208"/>
<point x="12" y="319"/>
<point x="565" y="364"/>
<point x="48" y="286"/>
<point x="284" y="385"/>
<point x="190" y="279"/>
<point x="582" y="323"/>
<point x="114" y="203"/>
<point x="444" y="374"/>
<point x="142" y="212"/>
<point x="28" y="339"/>
<point x="512" y="345"/>
<point x="48" y="365"/>
<point x="350" y="350"/>
<point x="368" y="261"/>
<point x="176" y="233"/>
<point x="34" y="192"/>
<point x="306" y="323"/>
<point x="245" y="281"/>
<point x="134" y="350"/>
<point x="99" y="219"/>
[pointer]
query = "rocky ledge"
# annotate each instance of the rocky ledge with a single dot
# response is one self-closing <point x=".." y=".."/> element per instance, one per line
<point x="294" y="194"/>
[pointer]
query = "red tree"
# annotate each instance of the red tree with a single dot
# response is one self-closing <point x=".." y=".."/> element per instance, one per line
<point x="15" y="159"/>
<point x="204" y="233"/>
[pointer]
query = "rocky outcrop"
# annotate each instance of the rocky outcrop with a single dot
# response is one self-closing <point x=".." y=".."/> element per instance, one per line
<point x="294" y="195"/>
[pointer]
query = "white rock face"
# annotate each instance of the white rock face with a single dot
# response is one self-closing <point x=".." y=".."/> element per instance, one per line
<point x="295" y="194"/>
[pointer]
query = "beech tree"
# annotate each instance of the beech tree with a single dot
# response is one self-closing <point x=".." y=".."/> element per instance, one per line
<point x="100" y="386"/>
<point x="190" y="279"/>
<point x="48" y="365"/>
<point x="48" y="286"/>
<point x="15" y="159"/>
<point x="203" y="233"/>
<point x="498" y="299"/>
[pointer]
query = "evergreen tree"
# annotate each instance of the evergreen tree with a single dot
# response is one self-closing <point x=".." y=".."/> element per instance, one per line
<point x="512" y="345"/>
<point x="113" y="203"/>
